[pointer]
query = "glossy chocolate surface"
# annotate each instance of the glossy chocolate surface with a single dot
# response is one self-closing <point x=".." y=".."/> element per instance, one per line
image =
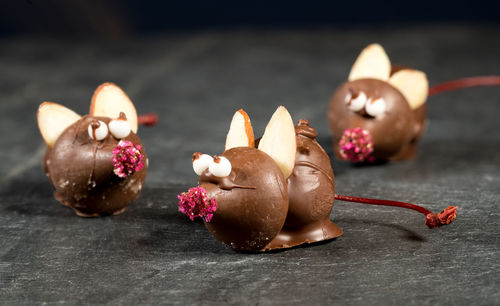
<point x="410" y="150"/>
<point x="248" y="218"/>
<point x="311" y="192"/>
<point x="226" y="183"/>
<point x="392" y="133"/>
<point x="82" y="172"/>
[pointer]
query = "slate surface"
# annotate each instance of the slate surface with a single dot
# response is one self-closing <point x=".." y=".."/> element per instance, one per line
<point x="195" y="81"/>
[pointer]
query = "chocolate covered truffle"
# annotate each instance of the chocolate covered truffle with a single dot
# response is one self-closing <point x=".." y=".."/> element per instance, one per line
<point x="379" y="113"/>
<point x="277" y="195"/>
<point x="96" y="163"/>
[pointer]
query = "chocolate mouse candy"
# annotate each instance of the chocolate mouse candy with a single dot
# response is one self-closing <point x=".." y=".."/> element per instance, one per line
<point x="278" y="195"/>
<point x="96" y="163"/>
<point x="380" y="112"/>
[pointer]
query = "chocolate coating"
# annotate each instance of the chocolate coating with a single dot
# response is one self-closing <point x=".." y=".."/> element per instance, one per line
<point x="410" y="150"/>
<point x="85" y="181"/>
<point x="250" y="216"/>
<point x="311" y="192"/>
<point x="392" y="133"/>
<point x="226" y="183"/>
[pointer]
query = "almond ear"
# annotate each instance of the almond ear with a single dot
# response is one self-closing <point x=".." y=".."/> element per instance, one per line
<point x="413" y="84"/>
<point x="278" y="140"/>
<point x="109" y="100"/>
<point x="240" y="132"/>
<point x="53" y="119"/>
<point x="372" y="63"/>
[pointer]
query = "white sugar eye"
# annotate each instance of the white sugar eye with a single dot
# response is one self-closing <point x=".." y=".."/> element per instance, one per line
<point x="119" y="128"/>
<point x="201" y="162"/>
<point x="348" y="97"/>
<point x="358" y="102"/>
<point x="99" y="129"/>
<point x="375" y="107"/>
<point x="220" y="166"/>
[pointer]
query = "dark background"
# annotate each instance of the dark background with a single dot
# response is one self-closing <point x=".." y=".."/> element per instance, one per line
<point x="116" y="19"/>
<point x="195" y="64"/>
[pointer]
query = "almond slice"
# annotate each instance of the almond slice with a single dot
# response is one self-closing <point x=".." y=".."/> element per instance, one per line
<point x="413" y="84"/>
<point x="53" y="119"/>
<point x="109" y="100"/>
<point x="278" y="140"/>
<point x="372" y="63"/>
<point x="240" y="132"/>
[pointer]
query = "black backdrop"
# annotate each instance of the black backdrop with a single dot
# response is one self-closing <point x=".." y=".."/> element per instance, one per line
<point x="118" y="19"/>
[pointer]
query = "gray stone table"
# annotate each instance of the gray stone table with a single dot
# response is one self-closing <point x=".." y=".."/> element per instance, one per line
<point x="152" y="254"/>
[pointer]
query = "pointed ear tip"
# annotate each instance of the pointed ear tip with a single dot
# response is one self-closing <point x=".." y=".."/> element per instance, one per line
<point x="42" y="105"/>
<point x="108" y="84"/>
<point x="282" y="108"/>
<point x="375" y="45"/>
<point x="111" y="85"/>
<point x="46" y="103"/>
<point x="242" y="112"/>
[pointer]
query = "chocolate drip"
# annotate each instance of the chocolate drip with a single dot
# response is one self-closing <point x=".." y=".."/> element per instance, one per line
<point x="95" y="124"/>
<point x="226" y="183"/>
<point x="75" y="134"/>
<point x="94" y="153"/>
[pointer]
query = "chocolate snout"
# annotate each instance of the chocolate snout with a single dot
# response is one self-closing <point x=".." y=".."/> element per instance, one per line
<point x="226" y="182"/>
<point x="356" y="145"/>
<point x="207" y="177"/>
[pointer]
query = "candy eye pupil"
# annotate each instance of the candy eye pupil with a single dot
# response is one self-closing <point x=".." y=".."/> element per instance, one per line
<point x="120" y="128"/>
<point x="357" y="101"/>
<point x="97" y="130"/>
<point x="348" y="97"/>
<point x="220" y="166"/>
<point x="375" y="107"/>
<point x="201" y="162"/>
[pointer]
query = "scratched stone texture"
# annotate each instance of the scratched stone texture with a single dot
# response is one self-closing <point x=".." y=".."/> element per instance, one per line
<point x="151" y="254"/>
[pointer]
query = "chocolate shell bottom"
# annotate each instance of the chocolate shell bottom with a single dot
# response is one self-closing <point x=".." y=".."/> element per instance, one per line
<point x="315" y="232"/>
<point x="407" y="153"/>
<point x="84" y="214"/>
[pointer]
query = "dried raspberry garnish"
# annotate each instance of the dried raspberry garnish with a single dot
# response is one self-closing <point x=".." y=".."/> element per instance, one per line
<point x="127" y="158"/>
<point x="195" y="203"/>
<point x="356" y="145"/>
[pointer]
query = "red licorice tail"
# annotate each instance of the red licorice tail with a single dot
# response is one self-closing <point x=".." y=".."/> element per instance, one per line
<point x="492" y="80"/>
<point x="148" y="119"/>
<point x="431" y="219"/>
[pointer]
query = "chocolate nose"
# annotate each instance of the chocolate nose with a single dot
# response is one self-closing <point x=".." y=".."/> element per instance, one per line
<point x="356" y="145"/>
